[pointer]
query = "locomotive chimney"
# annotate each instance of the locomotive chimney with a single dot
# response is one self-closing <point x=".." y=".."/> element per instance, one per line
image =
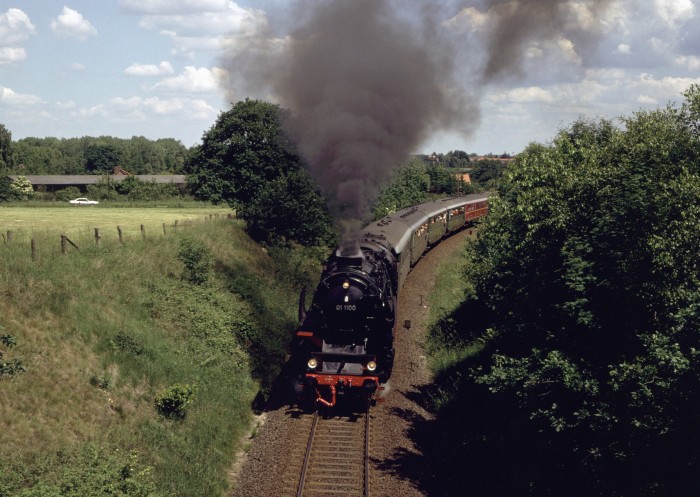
<point x="349" y="253"/>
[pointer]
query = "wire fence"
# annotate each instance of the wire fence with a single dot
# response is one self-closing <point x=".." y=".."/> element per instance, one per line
<point x="33" y="244"/>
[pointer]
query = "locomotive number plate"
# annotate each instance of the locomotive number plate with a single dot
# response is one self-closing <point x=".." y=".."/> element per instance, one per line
<point x="345" y="307"/>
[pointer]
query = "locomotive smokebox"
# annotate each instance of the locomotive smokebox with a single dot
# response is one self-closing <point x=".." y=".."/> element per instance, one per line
<point x="349" y="253"/>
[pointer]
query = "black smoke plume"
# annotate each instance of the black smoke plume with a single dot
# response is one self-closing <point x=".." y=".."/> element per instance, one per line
<point x="365" y="90"/>
<point x="367" y="81"/>
<point x="517" y="24"/>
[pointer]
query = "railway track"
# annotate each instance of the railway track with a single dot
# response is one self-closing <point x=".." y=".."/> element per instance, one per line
<point x="335" y="460"/>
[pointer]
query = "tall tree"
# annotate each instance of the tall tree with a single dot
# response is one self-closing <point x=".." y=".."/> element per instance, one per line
<point x="457" y="158"/>
<point x="102" y="158"/>
<point x="246" y="160"/>
<point x="6" y="159"/>
<point x="409" y="186"/>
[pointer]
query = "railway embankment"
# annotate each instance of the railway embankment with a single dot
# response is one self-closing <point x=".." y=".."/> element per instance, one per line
<point x="132" y="368"/>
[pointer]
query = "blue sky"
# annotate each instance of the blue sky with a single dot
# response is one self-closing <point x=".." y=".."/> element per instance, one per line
<point x="125" y="68"/>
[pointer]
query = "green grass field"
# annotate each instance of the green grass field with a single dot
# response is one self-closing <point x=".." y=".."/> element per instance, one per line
<point x="79" y="222"/>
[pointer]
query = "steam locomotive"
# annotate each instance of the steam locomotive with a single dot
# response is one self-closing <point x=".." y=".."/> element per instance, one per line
<point x="344" y="344"/>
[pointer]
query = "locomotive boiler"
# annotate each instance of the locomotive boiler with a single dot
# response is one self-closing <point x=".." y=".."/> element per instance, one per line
<point x="344" y="345"/>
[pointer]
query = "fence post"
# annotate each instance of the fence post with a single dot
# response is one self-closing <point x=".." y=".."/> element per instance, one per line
<point x="176" y="223"/>
<point x="33" y="249"/>
<point x="9" y="236"/>
<point x="119" y="230"/>
<point x="164" y="228"/>
<point x="63" y="244"/>
<point x="97" y="236"/>
<point x="143" y="232"/>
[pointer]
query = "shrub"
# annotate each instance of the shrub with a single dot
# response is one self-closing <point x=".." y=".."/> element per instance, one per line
<point x="22" y="188"/>
<point x="89" y="470"/>
<point x="68" y="193"/>
<point x="198" y="260"/>
<point x="173" y="401"/>
<point x="124" y="343"/>
<point x="14" y="367"/>
<point x="8" y="341"/>
<point x="8" y="190"/>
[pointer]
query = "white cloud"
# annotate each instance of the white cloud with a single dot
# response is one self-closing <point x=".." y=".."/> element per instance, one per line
<point x="646" y="100"/>
<point x="674" y="12"/>
<point x="185" y="107"/>
<point x="67" y="105"/>
<point x="470" y="17"/>
<point x="664" y="89"/>
<point x="9" y="55"/>
<point x="172" y="6"/>
<point x="150" y="69"/>
<point x="661" y="46"/>
<point x="10" y="98"/>
<point x="72" y="24"/>
<point x="624" y="49"/>
<point x="199" y="25"/>
<point x="99" y="110"/>
<point x="235" y="20"/>
<point x="690" y="62"/>
<point x="524" y="95"/>
<point x="15" y="27"/>
<point x="567" y="49"/>
<point x="76" y="66"/>
<point x="193" y="80"/>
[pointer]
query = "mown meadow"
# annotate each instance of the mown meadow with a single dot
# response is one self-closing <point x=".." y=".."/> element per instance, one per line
<point x="132" y="368"/>
<point x="48" y="220"/>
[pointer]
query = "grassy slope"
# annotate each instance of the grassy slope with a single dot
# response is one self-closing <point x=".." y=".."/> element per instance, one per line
<point x="103" y="331"/>
<point x="447" y="343"/>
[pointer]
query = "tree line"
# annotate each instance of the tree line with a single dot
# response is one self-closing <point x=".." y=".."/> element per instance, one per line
<point x="89" y="155"/>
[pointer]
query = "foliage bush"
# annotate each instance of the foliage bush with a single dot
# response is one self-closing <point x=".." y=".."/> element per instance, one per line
<point x="588" y="268"/>
<point x="124" y="343"/>
<point x="289" y="210"/>
<point x="173" y="401"/>
<point x="88" y="470"/>
<point x="22" y="188"/>
<point x="68" y="193"/>
<point x="8" y="340"/>
<point x="197" y="260"/>
<point x="8" y="192"/>
<point x="13" y="367"/>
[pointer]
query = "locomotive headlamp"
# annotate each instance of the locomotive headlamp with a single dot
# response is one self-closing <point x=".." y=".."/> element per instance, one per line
<point x="312" y="363"/>
<point x="346" y="284"/>
<point x="371" y="366"/>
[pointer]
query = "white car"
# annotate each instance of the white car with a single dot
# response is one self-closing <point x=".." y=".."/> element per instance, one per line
<point x="83" y="201"/>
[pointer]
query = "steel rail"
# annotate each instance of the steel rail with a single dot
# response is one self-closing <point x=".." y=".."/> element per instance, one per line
<point x="307" y="457"/>
<point x="366" y="493"/>
<point x="322" y="472"/>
